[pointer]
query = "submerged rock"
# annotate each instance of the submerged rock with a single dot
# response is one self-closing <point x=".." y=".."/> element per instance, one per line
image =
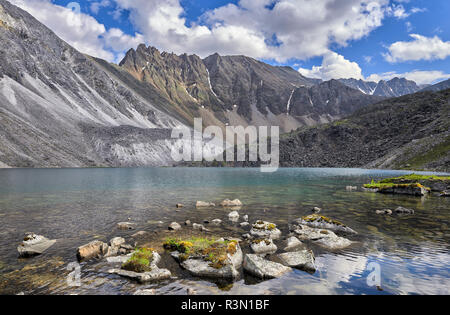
<point x="292" y="243"/>
<point x="202" y="204"/>
<point x="139" y="234"/>
<point x="321" y="237"/>
<point x="385" y="211"/>
<point x="34" y="245"/>
<point x="154" y="275"/>
<point x="125" y="226"/>
<point x="263" y="229"/>
<point x="263" y="246"/>
<point x="303" y="260"/>
<point x="351" y="188"/>
<point x="401" y="210"/>
<point x="94" y="249"/>
<point x="262" y="268"/>
<point x="445" y="193"/>
<point x="322" y="222"/>
<point x="231" y="203"/>
<point x="145" y="292"/>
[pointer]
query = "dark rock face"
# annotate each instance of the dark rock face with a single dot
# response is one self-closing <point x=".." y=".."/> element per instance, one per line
<point x="407" y="132"/>
<point x="241" y="90"/>
<point x="393" y="88"/>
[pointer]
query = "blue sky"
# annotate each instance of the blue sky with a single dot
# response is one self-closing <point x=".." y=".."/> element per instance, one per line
<point x="364" y="39"/>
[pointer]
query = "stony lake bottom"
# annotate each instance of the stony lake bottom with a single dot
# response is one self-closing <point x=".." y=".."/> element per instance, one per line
<point x="77" y="206"/>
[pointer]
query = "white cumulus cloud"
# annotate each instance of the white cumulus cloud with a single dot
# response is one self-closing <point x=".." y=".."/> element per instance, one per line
<point x="334" y="66"/>
<point x="420" y="48"/>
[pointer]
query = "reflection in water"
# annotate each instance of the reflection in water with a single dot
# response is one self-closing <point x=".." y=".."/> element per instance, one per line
<point x="76" y="206"/>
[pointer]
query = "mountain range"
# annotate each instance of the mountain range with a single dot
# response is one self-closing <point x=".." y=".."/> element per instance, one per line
<point x="61" y="108"/>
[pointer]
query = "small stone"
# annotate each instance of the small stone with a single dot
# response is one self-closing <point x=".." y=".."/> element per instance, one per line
<point x="351" y="188"/>
<point x="231" y="203"/>
<point x="187" y="222"/>
<point x="216" y="221"/>
<point x="316" y="210"/>
<point x="263" y="229"/>
<point x="244" y="224"/>
<point x="117" y="242"/>
<point x="385" y="211"/>
<point x="245" y="217"/>
<point x="233" y="216"/>
<point x="145" y="292"/>
<point x="179" y="205"/>
<point x="247" y="236"/>
<point x="125" y="226"/>
<point x="202" y="204"/>
<point x="174" y="226"/>
<point x="191" y="292"/>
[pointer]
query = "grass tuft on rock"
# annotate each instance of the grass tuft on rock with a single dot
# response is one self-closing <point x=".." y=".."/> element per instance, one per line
<point x="211" y="250"/>
<point x="140" y="261"/>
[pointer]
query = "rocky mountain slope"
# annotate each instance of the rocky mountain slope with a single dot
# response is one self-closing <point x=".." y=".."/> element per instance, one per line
<point x="393" y="88"/>
<point x="410" y="132"/>
<point x="239" y="90"/>
<point x="438" y="87"/>
<point x="59" y="107"/>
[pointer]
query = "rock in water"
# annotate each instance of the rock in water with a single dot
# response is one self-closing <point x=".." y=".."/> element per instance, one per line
<point x="263" y="246"/>
<point x="321" y="237"/>
<point x="322" y="222"/>
<point x="401" y="210"/>
<point x="202" y="204"/>
<point x="316" y="210"/>
<point x="231" y="203"/>
<point x="125" y="226"/>
<point x="154" y="275"/>
<point x="233" y="216"/>
<point x="34" y="245"/>
<point x="216" y="221"/>
<point x="263" y="229"/>
<point x="445" y="193"/>
<point x="385" y="211"/>
<point x="145" y="292"/>
<point x="303" y="260"/>
<point x="292" y="243"/>
<point x="262" y="268"/>
<point x="174" y="226"/>
<point x="94" y="249"/>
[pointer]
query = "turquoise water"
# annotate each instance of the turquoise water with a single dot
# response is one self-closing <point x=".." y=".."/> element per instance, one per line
<point x="76" y="206"/>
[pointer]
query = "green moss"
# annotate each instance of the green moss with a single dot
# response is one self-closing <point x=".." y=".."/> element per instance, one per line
<point x="140" y="261"/>
<point x="320" y="218"/>
<point x="415" y="178"/>
<point x="211" y="250"/>
<point x="382" y="186"/>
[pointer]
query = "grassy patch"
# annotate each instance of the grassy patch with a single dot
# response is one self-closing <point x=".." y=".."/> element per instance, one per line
<point x="434" y="154"/>
<point x="387" y="185"/>
<point x="414" y="178"/>
<point x="213" y="251"/>
<point x="140" y="261"/>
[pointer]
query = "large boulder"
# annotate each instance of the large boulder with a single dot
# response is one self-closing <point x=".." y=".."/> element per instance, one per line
<point x="303" y="260"/>
<point x="322" y="222"/>
<point x="263" y="246"/>
<point x="34" y="245"/>
<point x="324" y="238"/>
<point x="231" y="203"/>
<point x="95" y="249"/>
<point x="218" y="260"/>
<point x="263" y="230"/>
<point x="262" y="268"/>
